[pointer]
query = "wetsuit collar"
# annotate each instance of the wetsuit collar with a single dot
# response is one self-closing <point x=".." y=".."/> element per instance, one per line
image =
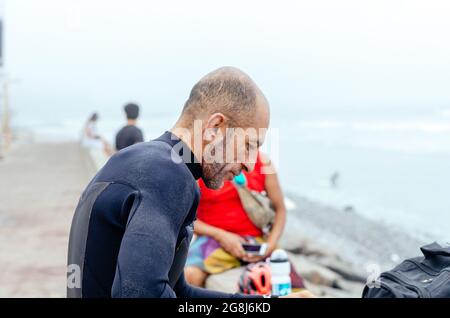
<point x="190" y="160"/>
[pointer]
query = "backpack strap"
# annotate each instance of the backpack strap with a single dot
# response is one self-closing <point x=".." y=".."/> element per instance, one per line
<point x="434" y="249"/>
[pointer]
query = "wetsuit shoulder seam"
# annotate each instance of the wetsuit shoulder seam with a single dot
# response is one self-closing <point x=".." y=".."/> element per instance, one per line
<point x="168" y="147"/>
<point x="125" y="183"/>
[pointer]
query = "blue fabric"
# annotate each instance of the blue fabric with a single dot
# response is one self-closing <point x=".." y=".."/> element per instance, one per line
<point x="195" y="256"/>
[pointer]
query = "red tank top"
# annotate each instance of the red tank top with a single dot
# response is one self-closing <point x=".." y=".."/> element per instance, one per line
<point x="223" y="209"/>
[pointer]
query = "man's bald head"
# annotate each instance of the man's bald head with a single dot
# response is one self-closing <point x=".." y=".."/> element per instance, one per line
<point x="224" y="122"/>
<point x="229" y="91"/>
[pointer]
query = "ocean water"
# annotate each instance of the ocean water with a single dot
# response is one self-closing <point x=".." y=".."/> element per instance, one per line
<point x="392" y="163"/>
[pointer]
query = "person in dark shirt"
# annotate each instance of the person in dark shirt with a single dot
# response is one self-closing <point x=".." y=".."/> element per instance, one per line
<point x="132" y="227"/>
<point x="130" y="134"/>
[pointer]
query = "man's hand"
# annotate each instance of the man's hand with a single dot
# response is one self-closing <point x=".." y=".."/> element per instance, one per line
<point x="232" y="243"/>
<point x="301" y="294"/>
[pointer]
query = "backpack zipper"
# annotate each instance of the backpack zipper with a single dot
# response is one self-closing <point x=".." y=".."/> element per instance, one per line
<point x="397" y="279"/>
<point x="426" y="269"/>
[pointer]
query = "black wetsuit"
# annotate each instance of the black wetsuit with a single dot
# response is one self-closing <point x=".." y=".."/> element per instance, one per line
<point x="132" y="227"/>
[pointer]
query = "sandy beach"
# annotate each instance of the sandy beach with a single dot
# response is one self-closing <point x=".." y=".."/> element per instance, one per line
<point x="39" y="187"/>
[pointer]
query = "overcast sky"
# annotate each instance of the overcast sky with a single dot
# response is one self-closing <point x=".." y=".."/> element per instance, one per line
<point x="85" y="54"/>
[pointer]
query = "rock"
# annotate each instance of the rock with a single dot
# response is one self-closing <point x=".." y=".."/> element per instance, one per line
<point x="346" y="270"/>
<point x="292" y="240"/>
<point x="353" y="289"/>
<point x="226" y="282"/>
<point x="309" y="248"/>
<point x="329" y="292"/>
<point x="314" y="272"/>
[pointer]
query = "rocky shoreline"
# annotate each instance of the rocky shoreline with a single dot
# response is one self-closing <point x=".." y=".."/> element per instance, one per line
<point x="334" y="250"/>
<point x="350" y="235"/>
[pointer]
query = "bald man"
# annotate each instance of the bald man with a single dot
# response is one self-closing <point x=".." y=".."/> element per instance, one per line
<point x="133" y="224"/>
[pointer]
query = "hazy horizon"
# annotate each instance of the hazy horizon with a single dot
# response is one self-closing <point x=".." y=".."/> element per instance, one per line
<point x="67" y="56"/>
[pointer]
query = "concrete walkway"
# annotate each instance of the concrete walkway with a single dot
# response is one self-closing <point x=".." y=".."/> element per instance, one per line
<point x="39" y="188"/>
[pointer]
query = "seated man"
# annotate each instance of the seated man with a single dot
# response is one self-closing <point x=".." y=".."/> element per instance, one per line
<point x="222" y="226"/>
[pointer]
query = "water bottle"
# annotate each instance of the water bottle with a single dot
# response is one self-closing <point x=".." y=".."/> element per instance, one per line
<point x="280" y="269"/>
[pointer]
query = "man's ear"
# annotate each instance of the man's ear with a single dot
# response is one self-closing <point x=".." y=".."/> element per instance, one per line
<point x="215" y="122"/>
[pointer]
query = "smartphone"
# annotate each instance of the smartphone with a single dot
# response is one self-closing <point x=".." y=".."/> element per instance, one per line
<point x="255" y="248"/>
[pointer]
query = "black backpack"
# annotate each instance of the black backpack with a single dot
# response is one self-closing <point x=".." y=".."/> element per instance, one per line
<point x="419" y="277"/>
